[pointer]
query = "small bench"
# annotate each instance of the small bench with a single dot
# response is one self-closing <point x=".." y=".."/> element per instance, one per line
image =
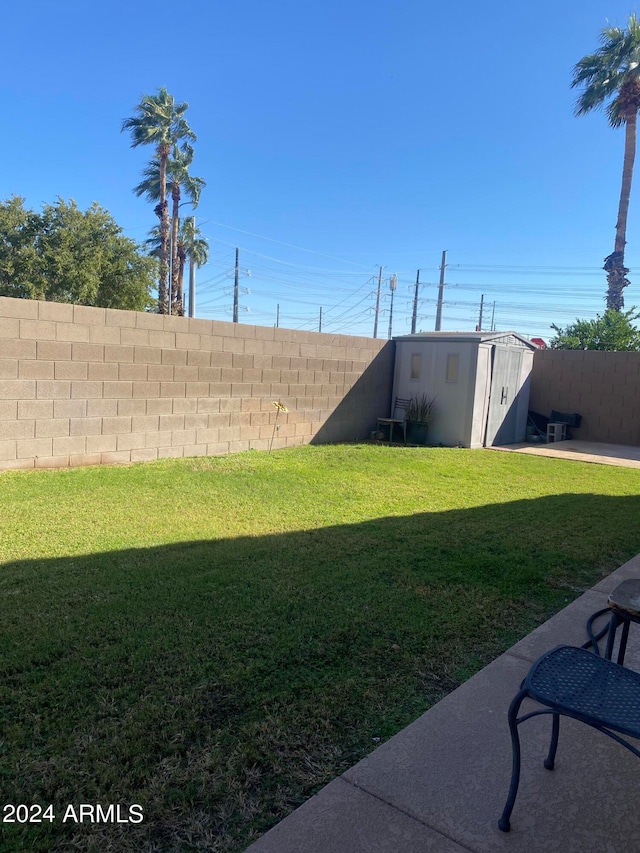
<point x="575" y="683"/>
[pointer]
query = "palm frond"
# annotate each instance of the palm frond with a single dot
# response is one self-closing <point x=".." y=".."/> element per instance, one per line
<point x="596" y="94"/>
<point x="158" y="121"/>
<point x="196" y="246"/>
<point x="153" y="243"/>
<point x="603" y="74"/>
<point x="614" y="113"/>
<point x="177" y="172"/>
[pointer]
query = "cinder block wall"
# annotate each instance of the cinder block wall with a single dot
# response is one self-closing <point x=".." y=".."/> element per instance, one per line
<point x="85" y="386"/>
<point x="604" y="387"/>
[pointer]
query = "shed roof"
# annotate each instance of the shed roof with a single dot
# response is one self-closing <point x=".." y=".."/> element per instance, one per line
<point x="510" y="338"/>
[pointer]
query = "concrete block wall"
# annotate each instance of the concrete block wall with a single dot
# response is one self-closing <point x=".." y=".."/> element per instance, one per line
<point x="604" y="387"/>
<point x="86" y="386"/>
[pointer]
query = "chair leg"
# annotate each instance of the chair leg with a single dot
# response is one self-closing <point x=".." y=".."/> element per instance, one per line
<point x="611" y="638"/>
<point x="550" y="760"/>
<point x="623" y="642"/>
<point x="504" y="823"/>
<point x="592" y="642"/>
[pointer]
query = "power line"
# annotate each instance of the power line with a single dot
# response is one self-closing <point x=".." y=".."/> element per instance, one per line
<point x="527" y="299"/>
<point x="289" y="245"/>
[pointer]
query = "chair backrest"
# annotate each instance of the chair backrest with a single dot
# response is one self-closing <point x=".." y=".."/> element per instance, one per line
<point x="401" y="404"/>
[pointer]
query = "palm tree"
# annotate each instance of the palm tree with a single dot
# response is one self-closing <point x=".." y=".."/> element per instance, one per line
<point x="179" y="181"/>
<point x="153" y="242"/>
<point x="191" y="245"/>
<point x="195" y="247"/>
<point x="160" y="121"/>
<point x="612" y="75"/>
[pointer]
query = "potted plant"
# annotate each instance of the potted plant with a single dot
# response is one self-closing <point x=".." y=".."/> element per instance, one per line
<point x="419" y="415"/>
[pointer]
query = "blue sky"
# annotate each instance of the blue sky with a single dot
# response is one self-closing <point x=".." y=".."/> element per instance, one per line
<point x="338" y="136"/>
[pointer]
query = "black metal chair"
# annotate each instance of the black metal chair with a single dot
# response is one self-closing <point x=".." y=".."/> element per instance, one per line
<point x="400" y="405"/>
<point x="623" y="609"/>
<point x="575" y="683"/>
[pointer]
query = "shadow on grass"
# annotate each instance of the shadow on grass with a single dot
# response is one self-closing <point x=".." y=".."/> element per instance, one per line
<point x="219" y="683"/>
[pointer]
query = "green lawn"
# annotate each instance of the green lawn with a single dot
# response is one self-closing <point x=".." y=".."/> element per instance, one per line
<point x="217" y="638"/>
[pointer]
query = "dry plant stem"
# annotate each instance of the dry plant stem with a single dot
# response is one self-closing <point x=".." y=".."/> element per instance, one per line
<point x="275" y="427"/>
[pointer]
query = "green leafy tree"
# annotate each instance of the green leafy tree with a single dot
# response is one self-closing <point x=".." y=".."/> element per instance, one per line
<point x="159" y="121"/>
<point x="180" y="181"/>
<point x="614" y="330"/>
<point x="64" y="254"/>
<point x="611" y="76"/>
<point x="20" y="268"/>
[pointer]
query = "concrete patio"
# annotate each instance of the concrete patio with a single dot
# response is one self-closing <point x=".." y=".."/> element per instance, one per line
<point x="580" y="451"/>
<point x="439" y="785"/>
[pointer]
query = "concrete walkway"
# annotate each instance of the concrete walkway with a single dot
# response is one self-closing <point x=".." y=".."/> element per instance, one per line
<point x="439" y="785"/>
<point x="580" y="451"/>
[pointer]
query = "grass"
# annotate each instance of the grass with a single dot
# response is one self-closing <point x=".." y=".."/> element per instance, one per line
<point x="215" y="639"/>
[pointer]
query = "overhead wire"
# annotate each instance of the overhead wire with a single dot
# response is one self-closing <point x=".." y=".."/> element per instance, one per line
<point x="520" y="301"/>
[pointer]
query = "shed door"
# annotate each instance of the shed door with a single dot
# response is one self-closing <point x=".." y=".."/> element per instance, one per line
<point x="505" y="378"/>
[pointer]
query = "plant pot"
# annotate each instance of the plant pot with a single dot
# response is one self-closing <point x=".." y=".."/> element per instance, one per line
<point x="417" y="432"/>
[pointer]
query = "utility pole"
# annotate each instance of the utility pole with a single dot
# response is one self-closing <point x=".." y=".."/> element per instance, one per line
<point x="375" y="322"/>
<point x="320" y="321"/>
<point x="277" y="315"/>
<point x="414" y="316"/>
<point x="493" y="316"/>
<point x="441" y="292"/>
<point x="236" y="290"/>
<point x="393" y="283"/>
<point x="481" y="309"/>
<point x="192" y="279"/>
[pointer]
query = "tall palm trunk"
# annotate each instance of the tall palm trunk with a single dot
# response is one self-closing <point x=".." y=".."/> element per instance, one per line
<point x="182" y="258"/>
<point x="176" y="290"/>
<point x="192" y="285"/>
<point x="627" y="177"/>
<point x="162" y="211"/>
<point x="614" y="264"/>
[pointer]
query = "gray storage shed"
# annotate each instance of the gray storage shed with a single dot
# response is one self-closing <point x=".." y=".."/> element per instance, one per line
<point x="480" y="381"/>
